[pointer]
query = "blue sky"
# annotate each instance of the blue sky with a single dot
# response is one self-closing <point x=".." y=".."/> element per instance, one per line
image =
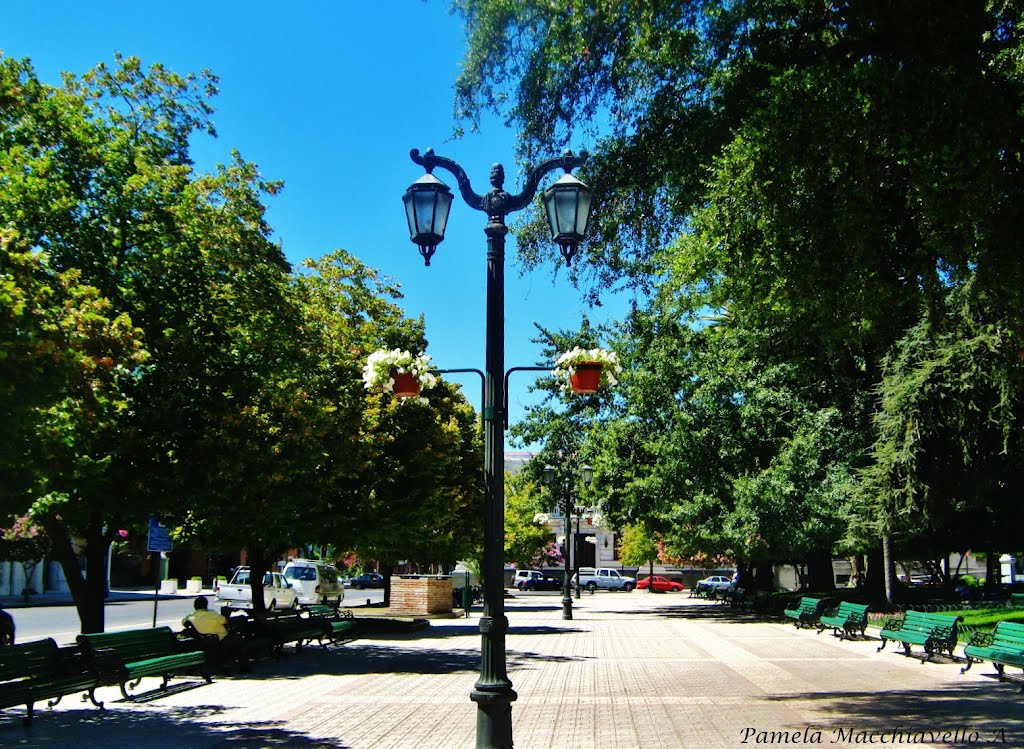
<point x="330" y="97"/>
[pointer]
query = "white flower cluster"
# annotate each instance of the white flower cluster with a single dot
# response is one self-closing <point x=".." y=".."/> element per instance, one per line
<point x="542" y="518"/>
<point x="565" y="365"/>
<point x="380" y="364"/>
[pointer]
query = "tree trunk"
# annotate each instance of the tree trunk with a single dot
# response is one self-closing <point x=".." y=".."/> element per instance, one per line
<point x="650" y="585"/>
<point x="820" y="577"/>
<point x="257" y="569"/>
<point x="386" y="570"/>
<point x="88" y="591"/>
<point x="874" y="575"/>
<point x="888" y="568"/>
<point x="763" y="576"/>
<point x="857" y="563"/>
<point x="993" y="572"/>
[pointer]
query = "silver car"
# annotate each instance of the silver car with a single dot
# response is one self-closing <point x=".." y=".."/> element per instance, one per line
<point x="715" y="582"/>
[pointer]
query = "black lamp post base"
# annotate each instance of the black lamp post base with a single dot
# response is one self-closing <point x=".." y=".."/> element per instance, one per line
<point x="494" y="718"/>
<point x="567" y="607"/>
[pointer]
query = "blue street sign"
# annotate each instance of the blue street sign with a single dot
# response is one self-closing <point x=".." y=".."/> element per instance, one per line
<point x="159" y="536"/>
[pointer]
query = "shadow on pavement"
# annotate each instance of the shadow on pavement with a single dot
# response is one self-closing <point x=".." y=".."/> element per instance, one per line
<point x="442" y="631"/>
<point x="168" y="728"/>
<point x="531" y="607"/>
<point x="708" y="613"/>
<point x="362" y="658"/>
<point x="991" y="710"/>
<point x="541" y="630"/>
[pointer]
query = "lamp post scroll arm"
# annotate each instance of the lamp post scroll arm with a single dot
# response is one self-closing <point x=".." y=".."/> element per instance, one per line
<point x="567" y="161"/>
<point x="429" y="160"/>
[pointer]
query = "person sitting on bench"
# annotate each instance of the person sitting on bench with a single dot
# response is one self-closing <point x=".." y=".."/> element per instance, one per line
<point x="207" y="622"/>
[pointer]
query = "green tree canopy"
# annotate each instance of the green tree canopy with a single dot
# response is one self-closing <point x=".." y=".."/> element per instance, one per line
<point x="818" y="177"/>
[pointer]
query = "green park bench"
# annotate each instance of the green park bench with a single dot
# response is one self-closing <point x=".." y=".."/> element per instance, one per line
<point x="1017" y="599"/>
<point x="339" y="628"/>
<point x="339" y="624"/>
<point x="39" y="670"/>
<point x="124" y="658"/>
<point x="935" y="632"/>
<point x="806" y="612"/>
<point x="1004" y="646"/>
<point x="845" y="619"/>
<point x="289" y="628"/>
<point x="321" y="609"/>
<point x="733" y="596"/>
<point x="256" y="642"/>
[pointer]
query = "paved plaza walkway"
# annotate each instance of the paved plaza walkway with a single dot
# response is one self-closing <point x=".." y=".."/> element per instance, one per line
<point x="630" y="671"/>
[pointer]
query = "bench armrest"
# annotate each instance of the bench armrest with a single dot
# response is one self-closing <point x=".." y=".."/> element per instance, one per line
<point x="74" y="662"/>
<point x="893" y="623"/>
<point x="942" y="633"/>
<point x="981" y="639"/>
<point x="107" y="662"/>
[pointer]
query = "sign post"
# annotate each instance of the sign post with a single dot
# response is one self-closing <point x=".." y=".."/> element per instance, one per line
<point x="159" y="540"/>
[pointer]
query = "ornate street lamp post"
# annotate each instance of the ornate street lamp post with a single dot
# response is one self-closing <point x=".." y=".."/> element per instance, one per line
<point x="427" y="203"/>
<point x="571" y="559"/>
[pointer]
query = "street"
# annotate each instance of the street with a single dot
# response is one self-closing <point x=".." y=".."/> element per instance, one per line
<point x="61" y="622"/>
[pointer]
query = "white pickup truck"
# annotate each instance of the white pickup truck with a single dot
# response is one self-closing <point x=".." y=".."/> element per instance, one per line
<point x="278" y="593"/>
<point x="604" y="578"/>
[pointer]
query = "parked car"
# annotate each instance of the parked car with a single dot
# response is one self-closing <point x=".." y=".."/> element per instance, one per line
<point x="662" y="584"/>
<point x="315" y="581"/>
<point x="522" y="577"/>
<point x="367" y="580"/>
<point x="542" y="582"/>
<point x="278" y="593"/>
<point x="715" y="582"/>
<point x="604" y="578"/>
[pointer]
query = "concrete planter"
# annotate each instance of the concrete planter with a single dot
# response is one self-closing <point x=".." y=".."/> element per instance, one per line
<point x="194" y="586"/>
<point x="169" y="587"/>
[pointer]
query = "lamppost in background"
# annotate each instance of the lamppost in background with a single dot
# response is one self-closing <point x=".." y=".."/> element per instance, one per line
<point x="427" y="203"/>
<point x="581" y="512"/>
<point x="571" y="558"/>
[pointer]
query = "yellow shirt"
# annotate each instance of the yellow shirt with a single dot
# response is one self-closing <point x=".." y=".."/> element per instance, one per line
<point x="208" y="622"/>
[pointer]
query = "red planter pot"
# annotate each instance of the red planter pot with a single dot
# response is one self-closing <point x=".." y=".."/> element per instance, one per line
<point x="406" y="385"/>
<point x="586" y="378"/>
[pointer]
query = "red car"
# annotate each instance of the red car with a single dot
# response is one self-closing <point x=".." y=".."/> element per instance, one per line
<point x="662" y="584"/>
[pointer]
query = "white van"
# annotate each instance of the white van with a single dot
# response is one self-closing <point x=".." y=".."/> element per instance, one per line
<point x="316" y="582"/>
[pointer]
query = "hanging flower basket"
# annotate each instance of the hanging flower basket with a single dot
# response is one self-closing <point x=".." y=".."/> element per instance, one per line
<point x="398" y="372"/>
<point x="585" y="371"/>
<point x="586" y="378"/>
<point x="405" y="384"/>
